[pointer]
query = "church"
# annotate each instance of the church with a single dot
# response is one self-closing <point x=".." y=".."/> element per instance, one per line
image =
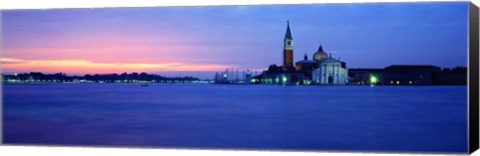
<point x="322" y="69"/>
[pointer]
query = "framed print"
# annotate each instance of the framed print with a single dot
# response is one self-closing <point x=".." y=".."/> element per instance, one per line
<point x="359" y="77"/>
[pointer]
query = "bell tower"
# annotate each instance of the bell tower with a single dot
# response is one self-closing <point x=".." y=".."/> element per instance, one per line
<point x="288" y="49"/>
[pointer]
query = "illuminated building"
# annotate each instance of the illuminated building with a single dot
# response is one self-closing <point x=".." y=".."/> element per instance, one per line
<point x="329" y="71"/>
<point x="409" y="75"/>
<point x="320" y="70"/>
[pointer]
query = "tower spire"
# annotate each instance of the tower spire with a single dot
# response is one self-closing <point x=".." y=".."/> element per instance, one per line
<point x="288" y="34"/>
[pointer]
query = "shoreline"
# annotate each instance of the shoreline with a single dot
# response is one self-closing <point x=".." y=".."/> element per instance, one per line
<point x="204" y="82"/>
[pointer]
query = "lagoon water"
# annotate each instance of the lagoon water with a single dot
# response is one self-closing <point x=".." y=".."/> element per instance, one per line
<point x="332" y="118"/>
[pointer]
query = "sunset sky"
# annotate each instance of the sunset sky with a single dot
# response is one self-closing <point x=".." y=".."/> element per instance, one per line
<point x="199" y="41"/>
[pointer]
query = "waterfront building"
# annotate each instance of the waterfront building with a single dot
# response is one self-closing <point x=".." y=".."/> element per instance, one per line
<point x="361" y="76"/>
<point x="330" y="71"/>
<point x="305" y="66"/>
<point x="321" y="69"/>
<point x="397" y="75"/>
<point x="408" y="75"/>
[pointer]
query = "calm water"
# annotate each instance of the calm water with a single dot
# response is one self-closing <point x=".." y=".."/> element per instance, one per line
<point x="353" y="118"/>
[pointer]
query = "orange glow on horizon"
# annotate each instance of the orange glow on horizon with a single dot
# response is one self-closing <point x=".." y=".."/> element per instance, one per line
<point x="88" y="67"/>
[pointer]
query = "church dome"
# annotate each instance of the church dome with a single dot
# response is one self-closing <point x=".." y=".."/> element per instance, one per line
<point x="320" y="54"/>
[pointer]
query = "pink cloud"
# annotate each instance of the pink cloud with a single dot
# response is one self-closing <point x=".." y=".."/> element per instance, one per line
<point x="110" y="49"/>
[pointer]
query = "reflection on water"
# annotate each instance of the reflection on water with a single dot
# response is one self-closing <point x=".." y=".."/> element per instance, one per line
<point x="381" y="118"/>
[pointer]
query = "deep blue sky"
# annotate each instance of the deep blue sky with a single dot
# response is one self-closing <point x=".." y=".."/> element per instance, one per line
<point x="173" y="39"/>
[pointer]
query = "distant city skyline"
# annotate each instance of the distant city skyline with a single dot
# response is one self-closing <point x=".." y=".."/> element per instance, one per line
<point x="199" y="41"/>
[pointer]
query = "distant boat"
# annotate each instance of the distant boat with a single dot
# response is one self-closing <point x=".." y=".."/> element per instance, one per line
<point x="144" y="85"/>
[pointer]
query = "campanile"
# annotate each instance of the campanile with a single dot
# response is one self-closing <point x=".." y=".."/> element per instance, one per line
<point x="288" y="49"/>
